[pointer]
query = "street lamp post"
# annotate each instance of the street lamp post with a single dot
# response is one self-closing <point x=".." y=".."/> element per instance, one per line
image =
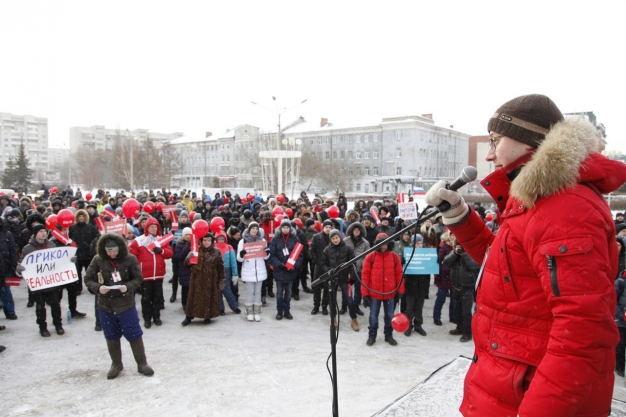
<point x="279" y="157"/>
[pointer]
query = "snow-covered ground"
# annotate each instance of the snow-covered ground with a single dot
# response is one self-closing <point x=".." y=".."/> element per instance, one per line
<point x="230" y="367"/>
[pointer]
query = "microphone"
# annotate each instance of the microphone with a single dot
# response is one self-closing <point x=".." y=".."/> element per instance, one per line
<point x="468" y="174"/>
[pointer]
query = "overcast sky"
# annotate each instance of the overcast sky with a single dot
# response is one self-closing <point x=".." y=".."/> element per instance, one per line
<point x="196" y="66"/>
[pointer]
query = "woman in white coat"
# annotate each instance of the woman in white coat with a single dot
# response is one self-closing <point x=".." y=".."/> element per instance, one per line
<point x="253" y="271"/>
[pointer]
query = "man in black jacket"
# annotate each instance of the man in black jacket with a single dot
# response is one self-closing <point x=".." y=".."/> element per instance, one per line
<point x="301" y="277"/>
<point x="82" y="233"/>
<point x="8" y="260"/>
<point x="318" y="244"/>
<point x="370" y="228"/>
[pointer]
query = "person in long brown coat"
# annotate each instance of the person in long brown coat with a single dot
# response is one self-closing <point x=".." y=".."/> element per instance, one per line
<point x="207" y="281"/>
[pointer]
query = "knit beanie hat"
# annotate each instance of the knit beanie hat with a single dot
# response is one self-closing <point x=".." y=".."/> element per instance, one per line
<point x="526" y="119"/>
<point x="37" y="228"/>
<point x="253" y="224"/>
<point x="309" y="222"/>
<point x="327" y="222"/>
<point x="335" y="232"/>
<point x="187" y="231"/>
<point x="417" y="238"/>
<point x="184" y="213"/>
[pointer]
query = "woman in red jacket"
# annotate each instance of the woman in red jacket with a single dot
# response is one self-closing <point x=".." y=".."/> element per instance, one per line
<point x="382" y="284"/>
<point x="152" y="264"/>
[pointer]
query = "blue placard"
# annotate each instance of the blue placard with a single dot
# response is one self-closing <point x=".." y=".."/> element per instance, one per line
<point x="424" y="261"/>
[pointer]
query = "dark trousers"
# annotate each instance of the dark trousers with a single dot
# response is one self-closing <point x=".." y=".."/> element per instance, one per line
<point x="96" y="310"/>
<point x="72" y="293"/>
<point x="175" y="266"/>
<point x="320" y="293"/>
<point x="124" y="324"/>
<point x="184" y="294"/>
<point x="54" y="299"/>
<point x="151" y="299"/>
<point x="620" y="350"/>
<point x="347" y="300"/>
<point x="268" y="284"/>
<point x="418" y="290"/>
<point x="463" y="300"/>
<point x="80" y="264"/>
<point x="301" y="278"/>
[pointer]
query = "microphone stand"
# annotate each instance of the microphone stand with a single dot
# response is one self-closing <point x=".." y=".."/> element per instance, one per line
<point x="332" y="277"/>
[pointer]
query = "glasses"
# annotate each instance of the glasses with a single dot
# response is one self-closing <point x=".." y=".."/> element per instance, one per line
<point x="492" y="142"/>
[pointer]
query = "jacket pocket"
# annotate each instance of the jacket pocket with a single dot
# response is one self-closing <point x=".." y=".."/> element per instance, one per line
<point x="557" y="250"/>
<point x="521" y="345"/>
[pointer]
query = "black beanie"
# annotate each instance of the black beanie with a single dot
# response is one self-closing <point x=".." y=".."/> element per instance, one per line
<point x="37" y="228"/>
<point x="327" y="222"/>
<point x="526" y="119"/>
<point x="309" y="222"/>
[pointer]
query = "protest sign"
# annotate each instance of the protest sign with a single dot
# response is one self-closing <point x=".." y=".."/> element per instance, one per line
<point x="255" y="250"/>
<point x="115" y="226"/>
<point x="294" y="256"/>
<point x="49" y="268"/>
<point x="407" y="211"/>
<point x="424" y="261"/>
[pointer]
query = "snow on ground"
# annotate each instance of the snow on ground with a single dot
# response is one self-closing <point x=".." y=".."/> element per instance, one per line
<point x="230" y="367"/>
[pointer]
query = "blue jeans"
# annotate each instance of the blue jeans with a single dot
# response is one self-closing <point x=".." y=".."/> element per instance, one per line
<point x="440" y="301"/>
<point x="388" y="309"/>
<point x="124" y="324"/>
<point x="228" y="293"/>
<point x="7" y="298"/>
<point x="283" y="295"/>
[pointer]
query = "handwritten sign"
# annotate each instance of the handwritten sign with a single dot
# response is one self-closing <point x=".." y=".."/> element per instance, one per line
<point x="424" y="261"/>
<point x="255" y="250"/>
<point x="49" y="268"/>
<point x="407" y="211"/>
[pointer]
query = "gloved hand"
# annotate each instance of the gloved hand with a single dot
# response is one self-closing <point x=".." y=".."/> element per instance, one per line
<point x="222" y="284"/>
<point x="438" y="194"/>
<point x="19" y="269"/>
<point x="189" y="256"/>
<point x="73" y="259"/>
<point x="158" y="250"/>
<point x="242" y="253"/>
<point x="235" y="280"/>
<point x="282" y="267"/>
<point x="267" y="250"/>
<point x="367" y="301"/>
<point x="107" y="218"/>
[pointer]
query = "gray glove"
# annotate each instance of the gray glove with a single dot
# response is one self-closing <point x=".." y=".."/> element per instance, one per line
<point x="73" y="259"/>
<point x="438" y="193"/>
<point x="19" y="269"/>
<point x="235" y="279"/>
<point x="222" y="284"/>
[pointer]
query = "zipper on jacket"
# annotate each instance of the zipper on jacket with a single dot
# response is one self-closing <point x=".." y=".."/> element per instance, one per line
<point x="553" y="277"/>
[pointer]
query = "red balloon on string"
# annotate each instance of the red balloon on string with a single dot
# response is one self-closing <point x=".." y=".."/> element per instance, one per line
<point x="318" y="226"/>
<point x="400" y="323"/>
<point x="280" y="198"/>
<point x="88" y="196"/>
<point x="289" y="212"/>
<point x="199" y="228"/>
<point x="65" y="218"/>
<point x="148" y="207"/>
<point x="160" y="206"/>
<point x="298" y="223"/>
<point x="333" y="212"/>
<point x="278" y="211"/>
<point x="51" y="222"/>
<point x="217" y="224"/>
<point x="244" y="201"/>
<point x="130" y="208"/>
<point x="54" y="189"/>
<point x="277" y="220"/>
<point x="192" y="215"/>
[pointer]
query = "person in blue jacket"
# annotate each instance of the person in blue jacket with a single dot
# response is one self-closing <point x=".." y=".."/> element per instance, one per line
<point x="230" y="268"/>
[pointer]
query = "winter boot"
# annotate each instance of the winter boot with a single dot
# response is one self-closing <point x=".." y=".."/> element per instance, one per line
<point x="257" y="312"/>
<point x="115" y="351"/>
<point x="140" y="357"/>
<point x="250" y="312"/>
<point x="355" y="325"/>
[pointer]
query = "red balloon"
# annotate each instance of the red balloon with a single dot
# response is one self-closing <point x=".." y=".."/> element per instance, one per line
<point x="160" y="206"/>
<point x="88" y="196"/>
<point x="54" y="189"/>
<point x="148" y="207"/>
<point x="130" y="208"/>
<point x="289" y="212"/>
<point x="199" y="228"/>
<point x="65" y="218"/>
<point x="298" y="223"/>
<point x="51" y="222"/>
<point x="318" y="226"/>
<point x="244" y="201"/>
<point x="217" y="224"/>
<point x="280" y="198"/>
<point x="192" y="215"/>
<point x="226" y="200"/>
<point x="278" y="211"/>
<point x="333" y="212"/>
<point x="277" y="220"/>
<point x="400" y="323"/>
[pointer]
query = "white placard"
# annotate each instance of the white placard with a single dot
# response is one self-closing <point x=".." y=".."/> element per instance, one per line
<point x="47" y="268"/>
<point x="407" y="211"/>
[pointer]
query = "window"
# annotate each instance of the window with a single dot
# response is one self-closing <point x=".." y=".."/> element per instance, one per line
<point x="375" y="137"/>
<point x="358" y="172"/>
<point x="327" y="155"/>
<point x="398" y="170"/>
<point x="349" y="154"/>
<point x="357" y="139"/>
<point x="375" y="155"/>
<point x="341" y="139"/>
<point x="319" y="141"/>
<point x="358" y="155"/>
<point x="348" y="139"/>
<point x="366" y="138"/>
<point x="375" y="170"/>
<point x="334" y="155"/>
<point x="398" y="152"/>
<point x="326" y="140"/>
<point x="366" y="170"/>
<point x="398" y="134"/>
<point x="358" y="186"/>
<point x="366" y="155"/>
<point x="350" y="171"/>
<point x="343" y="154"/>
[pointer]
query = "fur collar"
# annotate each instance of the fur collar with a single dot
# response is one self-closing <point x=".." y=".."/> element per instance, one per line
<point x="556" y="164"/>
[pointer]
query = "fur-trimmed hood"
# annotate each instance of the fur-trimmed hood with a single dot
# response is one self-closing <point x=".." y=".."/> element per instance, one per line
<point x="567" y="156"/>
<point x="84" y="213"/>
<point x="121" y="243"/>
<point x="354" y="226"/>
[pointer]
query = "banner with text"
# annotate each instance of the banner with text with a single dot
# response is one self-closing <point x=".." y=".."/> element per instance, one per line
<point x="424" y="261"/>
<point x="49" y="268"/>
<point x="255" y="250"/>
<point x="407" y="211"/>
<point x="116" y="226"/>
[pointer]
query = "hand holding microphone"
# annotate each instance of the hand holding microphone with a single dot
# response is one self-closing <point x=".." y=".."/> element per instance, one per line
<point x="450" y="203"/>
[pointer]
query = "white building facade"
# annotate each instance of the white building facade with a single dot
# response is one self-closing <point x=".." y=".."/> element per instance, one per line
<point x="32" y="132"/>
<point x="100" y="138"/>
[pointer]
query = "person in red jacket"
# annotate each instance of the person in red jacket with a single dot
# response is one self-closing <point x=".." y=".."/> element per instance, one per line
<point x="382" y="284"/>
<point x="153" y="270"/>
<point x="543" y="329"/>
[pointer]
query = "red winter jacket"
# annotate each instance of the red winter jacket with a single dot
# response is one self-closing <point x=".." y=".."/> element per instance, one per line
<point x="152" y="264"/>
<point x="382" y="272"/>
<point x="544" y="331"/>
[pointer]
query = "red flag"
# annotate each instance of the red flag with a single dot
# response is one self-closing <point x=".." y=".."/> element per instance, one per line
<point x="63" y="238"/>
<point x="374" y="213"/>
<point x="160" y="242"/>
<point x="294" y="256"/>
<point x="194" y="250"/>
